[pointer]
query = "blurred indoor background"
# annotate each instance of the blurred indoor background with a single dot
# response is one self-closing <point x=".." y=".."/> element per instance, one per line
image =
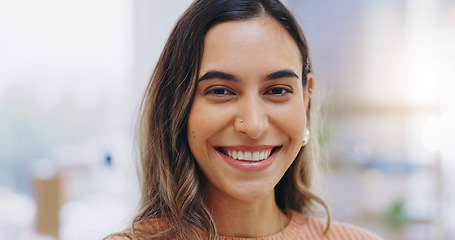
<point x="72" y="73"/>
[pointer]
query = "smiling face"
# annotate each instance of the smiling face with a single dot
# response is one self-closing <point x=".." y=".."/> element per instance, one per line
<point x="247" y="120"/>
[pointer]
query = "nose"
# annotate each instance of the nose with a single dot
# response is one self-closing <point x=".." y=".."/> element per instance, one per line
<point x="252" y="118"/>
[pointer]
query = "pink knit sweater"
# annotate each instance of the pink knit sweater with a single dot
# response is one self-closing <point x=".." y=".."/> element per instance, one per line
<point x="304" y="228"/>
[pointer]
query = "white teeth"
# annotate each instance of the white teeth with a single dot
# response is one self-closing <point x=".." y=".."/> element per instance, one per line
<point x="234" y="155"/>
<point x="249" y="156"/>
<point x="255" y="156"/>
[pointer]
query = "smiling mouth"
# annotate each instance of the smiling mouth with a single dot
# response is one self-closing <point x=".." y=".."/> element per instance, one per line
<point x="248" y="156"/>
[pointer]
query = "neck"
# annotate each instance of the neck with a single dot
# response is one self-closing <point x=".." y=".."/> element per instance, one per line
<point x="257" y="218"/>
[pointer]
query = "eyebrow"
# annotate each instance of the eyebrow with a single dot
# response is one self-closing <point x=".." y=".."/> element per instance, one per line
<point x="282" y="74"/>
<point x="219" y="75"/>
<point x="230" y="77"/>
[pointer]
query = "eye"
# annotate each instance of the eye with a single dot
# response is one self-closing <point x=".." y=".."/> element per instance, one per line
<point x="278" y="91"/>
<point x="219" y="92"/>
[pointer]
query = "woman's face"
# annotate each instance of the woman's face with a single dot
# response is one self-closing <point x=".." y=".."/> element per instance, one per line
<point x="247" y="120"/>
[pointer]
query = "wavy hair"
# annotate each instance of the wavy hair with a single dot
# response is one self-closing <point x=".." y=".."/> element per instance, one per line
<point x="173" y="199"/>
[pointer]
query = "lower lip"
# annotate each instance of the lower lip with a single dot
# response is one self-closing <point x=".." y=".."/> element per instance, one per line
<point x="250" y="166"/>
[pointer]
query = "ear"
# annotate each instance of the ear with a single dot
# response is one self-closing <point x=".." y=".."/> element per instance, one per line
<point x="308" y="90"/>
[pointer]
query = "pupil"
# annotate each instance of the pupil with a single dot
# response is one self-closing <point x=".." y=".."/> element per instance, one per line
<point x="277" y="91"/>
<point x="219" y="91"/>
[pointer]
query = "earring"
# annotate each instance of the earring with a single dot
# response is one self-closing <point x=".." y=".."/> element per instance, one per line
<point x="306" y="137"/>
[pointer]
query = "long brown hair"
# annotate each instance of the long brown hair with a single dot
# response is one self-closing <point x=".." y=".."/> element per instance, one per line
<point x="170" y="178"/>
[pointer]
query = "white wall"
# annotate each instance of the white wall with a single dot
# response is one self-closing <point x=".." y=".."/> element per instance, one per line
<point x="153" y="22"/>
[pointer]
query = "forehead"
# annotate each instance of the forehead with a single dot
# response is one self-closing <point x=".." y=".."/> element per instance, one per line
<point x="251" y="40"/>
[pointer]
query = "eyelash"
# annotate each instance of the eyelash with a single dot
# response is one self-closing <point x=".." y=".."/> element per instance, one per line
<point x="283" y="91"/>
<point x="212" y="92"/>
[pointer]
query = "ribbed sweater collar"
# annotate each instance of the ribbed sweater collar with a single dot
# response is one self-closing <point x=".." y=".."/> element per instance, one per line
<point x="292" y="230"/>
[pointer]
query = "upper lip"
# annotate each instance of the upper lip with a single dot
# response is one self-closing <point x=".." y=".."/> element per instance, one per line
<point x="246" y="148"/>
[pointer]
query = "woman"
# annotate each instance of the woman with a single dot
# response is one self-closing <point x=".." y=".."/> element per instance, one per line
<point x="224" y="130"/>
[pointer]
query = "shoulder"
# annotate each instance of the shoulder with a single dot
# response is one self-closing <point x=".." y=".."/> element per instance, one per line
<point x="348" y="231"/>
<point x="145" y="227"/>
<point x="313" y="228"/>
<point x="117" y="237"/>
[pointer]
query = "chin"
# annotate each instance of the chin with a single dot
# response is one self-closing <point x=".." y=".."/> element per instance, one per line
<point x="252" y="192"/>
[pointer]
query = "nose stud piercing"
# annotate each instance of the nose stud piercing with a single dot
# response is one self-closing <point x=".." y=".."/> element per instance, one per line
<point x="241" y="120"/>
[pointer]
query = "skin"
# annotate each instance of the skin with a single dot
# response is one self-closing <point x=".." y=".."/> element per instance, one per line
<point x="261" y="83"/>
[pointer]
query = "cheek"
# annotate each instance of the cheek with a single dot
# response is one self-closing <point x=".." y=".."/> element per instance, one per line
<point x="292" y="120"/>
<point x="195" y="132"/>
<point x="199" y="124"/>
<point x="203" y="124"/>
<point x="204" y="121"/>
<point x="196" y="137"/>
